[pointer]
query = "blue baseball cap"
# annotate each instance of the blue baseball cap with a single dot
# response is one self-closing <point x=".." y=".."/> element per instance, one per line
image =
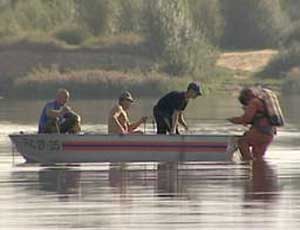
<point x="195" y="87"/>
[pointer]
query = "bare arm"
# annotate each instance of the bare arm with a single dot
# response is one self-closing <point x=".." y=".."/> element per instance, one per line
<point x="247" y="117"/>
<point x="53" y="113"/>
<point x="135" y="125"/>
<point x="56" y="113"/>
<point x="182" y="121"/>
<point x="175" y="118"/>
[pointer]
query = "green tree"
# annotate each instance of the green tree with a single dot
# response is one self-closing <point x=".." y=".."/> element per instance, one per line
<point x="253" y="23"/>
<point x="130" y="15"/>
<point x="41" y="15"/>
<point x="97" y="15"/>
<point x="207" y="17"/>
<point x="292" y="7"/>
<point x="171" y="36"/>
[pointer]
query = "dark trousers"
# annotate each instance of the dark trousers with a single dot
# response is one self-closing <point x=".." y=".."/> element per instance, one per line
<point x="71" y="124"/>
<point x="163" y="121"/>
<point x="51" y="126"/>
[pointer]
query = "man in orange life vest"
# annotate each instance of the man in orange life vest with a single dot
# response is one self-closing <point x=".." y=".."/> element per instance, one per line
<point x="254" y="143"/>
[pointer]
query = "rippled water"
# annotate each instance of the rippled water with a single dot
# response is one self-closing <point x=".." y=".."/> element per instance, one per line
<point x="207" y="195"/>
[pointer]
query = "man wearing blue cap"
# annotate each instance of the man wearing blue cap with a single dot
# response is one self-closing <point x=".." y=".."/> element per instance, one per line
<point x="168" y="112"/>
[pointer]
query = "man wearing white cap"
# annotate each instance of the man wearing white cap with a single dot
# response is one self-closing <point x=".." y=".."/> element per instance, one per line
<point x="118" y="122"/>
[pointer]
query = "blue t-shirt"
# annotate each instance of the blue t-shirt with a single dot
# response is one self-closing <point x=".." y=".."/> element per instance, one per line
<point x="53" y="105"/>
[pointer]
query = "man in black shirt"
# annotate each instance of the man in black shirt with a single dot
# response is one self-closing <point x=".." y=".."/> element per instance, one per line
<point x="168" y="112"/>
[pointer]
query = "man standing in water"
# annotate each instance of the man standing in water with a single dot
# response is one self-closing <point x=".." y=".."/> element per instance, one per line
<point x="118" y="121"/>
<point x="168" y="112"/>
<point x="254" y="143"/>
<point x="57" y="117"/>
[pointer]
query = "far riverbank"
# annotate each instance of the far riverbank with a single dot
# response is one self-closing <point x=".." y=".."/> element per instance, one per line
<point x="36" y="70"/>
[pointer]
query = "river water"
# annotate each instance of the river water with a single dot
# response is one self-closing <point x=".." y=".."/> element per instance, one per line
<point x="203" y="195"/>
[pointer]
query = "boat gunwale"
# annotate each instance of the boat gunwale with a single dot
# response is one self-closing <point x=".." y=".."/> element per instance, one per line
<point x="121" y="135"/>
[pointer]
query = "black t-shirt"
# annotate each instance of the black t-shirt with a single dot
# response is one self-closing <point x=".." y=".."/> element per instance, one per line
<point x="171" y="102"/>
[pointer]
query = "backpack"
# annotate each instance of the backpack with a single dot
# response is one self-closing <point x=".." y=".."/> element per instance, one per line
<point x="271" y="102"/>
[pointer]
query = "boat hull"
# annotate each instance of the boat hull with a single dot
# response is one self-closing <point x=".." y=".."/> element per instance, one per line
<point x="61" y="148"/>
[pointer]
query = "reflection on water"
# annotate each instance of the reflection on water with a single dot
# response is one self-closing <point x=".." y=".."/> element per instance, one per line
<point x="262" y="185"/>
<point x="168" y="181"/>
<point x="59" y="180"/>
<point x="148" y="195"/>
<point x="163" y="177"/>
<point x="205" y="195"/>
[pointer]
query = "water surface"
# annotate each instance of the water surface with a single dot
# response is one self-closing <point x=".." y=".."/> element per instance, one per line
<point x="207" y="195"/>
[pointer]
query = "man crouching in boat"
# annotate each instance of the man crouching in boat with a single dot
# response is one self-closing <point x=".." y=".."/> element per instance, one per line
<point x="118" y="122"/>
<point x="168" y="112"/>
<point x="57" y="117"/>
<point x="254" y="143"/>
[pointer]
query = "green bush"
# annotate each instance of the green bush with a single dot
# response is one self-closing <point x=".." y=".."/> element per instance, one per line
<point x="97" y="15"/>
<point x="72" y="35"/>
<point x="282" y="63"/>
<point x="171" y="36"/>
<point x="22" y="18"/>
<point x="207" y="17"/>
<point x="292" y="7"/>
<point x="291" y="34"/>
<point x="38" y="15"/>
<point x="8" y="25"/>
<point x="130" y="15"/>
<point x="291" y="86"/>
<point x="253" y="23"/>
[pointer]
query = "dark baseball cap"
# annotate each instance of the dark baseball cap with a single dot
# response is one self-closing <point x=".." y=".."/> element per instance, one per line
<point x="195" y="87"/>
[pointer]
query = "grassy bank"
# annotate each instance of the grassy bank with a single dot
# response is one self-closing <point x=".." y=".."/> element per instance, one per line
<point x="92" y="83"/>
<point x="36" y="69"/>
<point x="43" y="83"/>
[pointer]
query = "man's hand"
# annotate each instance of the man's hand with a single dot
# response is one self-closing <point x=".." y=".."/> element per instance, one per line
<point x="144" y="119"/>
<point x="173" y="131"/>
<point x="123" y="132"/>
<point x="65" y="109"/>
<point x="237" y="120"/>
<point x="186" y="128"/>
<point x="230" y="120"/>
